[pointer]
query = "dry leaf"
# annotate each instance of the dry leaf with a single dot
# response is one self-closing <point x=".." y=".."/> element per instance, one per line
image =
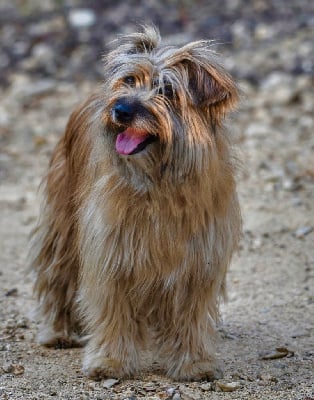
<point x="280" y="352"/>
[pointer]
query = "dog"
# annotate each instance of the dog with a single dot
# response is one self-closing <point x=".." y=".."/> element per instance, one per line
<point x="140" y="214"/>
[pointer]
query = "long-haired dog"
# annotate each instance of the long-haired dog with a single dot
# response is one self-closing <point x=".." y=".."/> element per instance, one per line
<point x="140" y="216"/>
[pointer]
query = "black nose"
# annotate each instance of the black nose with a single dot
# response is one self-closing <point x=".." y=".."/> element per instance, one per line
<point x="124" y="110"/>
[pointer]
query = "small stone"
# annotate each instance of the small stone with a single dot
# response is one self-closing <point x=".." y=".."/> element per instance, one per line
<point x="278" y="88"/>
<point x="43" y="52"/>
<point x="7" y="369"/>
<point x="287" y="184"/>
<point x="108" y="383"/>
<point x="276" y="174"/>
<point x="226" y="387"/>
<point x="31" y="90"/>
<point x="263" y="31"/>
<point x="91" y="386"/>
<point x="268" y="378"/>
<point x="4" y="60"/>
<point x="39" y="140"/>
<point x="299" y="333"/>
<point x="206" y="386"/>
<point x="257" y="243"/>
<point x="15" y="369"/>
<point x="189" y="394"/>
<point x="11" y="292"/>
<point x="171" y="391"/>
<point x="149" y="388"/>
<point x="257" y="130"/>
<point x="22" y="323"/>
<point x="303" y="231"/>
<point x="45" y="27"/>
<point x="82" y="18"/>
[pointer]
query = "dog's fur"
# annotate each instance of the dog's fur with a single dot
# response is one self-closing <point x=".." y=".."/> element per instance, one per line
<point x="133" y="249"/>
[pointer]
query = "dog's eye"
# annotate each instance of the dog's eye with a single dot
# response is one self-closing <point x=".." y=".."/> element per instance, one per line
<point x="129" y="80"/>
<point x="166" y="90"/>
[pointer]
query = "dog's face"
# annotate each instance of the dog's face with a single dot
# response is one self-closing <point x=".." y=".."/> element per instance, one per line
<point x="163" y="104"/>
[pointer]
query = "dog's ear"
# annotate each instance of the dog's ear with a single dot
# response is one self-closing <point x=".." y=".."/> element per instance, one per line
<point x="209" y="83"/>
<point x="204" y="89"/>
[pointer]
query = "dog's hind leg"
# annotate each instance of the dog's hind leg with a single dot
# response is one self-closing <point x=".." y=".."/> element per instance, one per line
<point x="54" y="260"/>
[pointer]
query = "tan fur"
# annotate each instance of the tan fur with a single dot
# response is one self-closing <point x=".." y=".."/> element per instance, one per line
<point x="132" y="250"/>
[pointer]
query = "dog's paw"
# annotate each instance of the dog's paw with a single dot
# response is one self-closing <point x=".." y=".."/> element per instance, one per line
<point x="197" y="371"/>
<point x="59" y="340"/>
<point x="105" y="368"/>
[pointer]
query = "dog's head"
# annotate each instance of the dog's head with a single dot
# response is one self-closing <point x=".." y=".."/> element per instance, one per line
<point x="164" y="104"/>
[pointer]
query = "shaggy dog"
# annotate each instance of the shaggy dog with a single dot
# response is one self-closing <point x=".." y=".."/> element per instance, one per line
<point x="140" y="216"/>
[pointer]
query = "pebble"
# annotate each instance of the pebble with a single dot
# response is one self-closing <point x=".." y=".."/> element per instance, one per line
<point x="4" y="60"/>
<point x="82" y="18"/>
<point x="303" y="231"/>
<point x="91" y="386"/>
<point x="289" y="185"/>
<point x="257" y="243"/>
<point x="263" y="31"/>
<point x="32" y="89"/>
<point x="279" y="88"/>
<point x="15" y="369"/>
<point x="42" y="52"/>
<point x="171" y="391"/>
<point x="227" y="387"/>
<point x="45" y="27"/>
<point x="268" y="378"/>
<point x="206" y="386"/>
<point x="108" y="383"/>
<point x="189" y="394"/>
<point x="22" y="323"/>
<point x="298" y="333"/>
<point x="274" y="175"/>
<point x="11" y="292"/>
<point x="256" y="129"/>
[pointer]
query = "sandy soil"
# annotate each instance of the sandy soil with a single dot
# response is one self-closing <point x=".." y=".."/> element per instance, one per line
<point x="267" y="325"/>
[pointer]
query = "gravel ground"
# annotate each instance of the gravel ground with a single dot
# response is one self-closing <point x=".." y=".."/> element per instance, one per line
<point x="50" y="59"/>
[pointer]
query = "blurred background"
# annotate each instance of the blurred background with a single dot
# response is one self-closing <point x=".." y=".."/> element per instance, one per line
<point x="50" y="60"/>
<point x="51" y="50"/>
<point x="65" y="38"/>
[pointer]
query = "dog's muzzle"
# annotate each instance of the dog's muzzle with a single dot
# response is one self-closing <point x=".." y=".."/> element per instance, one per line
<point x="132" y="140"/>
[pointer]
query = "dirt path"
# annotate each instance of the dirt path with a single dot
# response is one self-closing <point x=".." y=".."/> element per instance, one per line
<point x="267" y="332"/>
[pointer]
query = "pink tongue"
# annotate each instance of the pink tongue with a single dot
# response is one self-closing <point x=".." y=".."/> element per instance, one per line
<point x="128" y="140"/>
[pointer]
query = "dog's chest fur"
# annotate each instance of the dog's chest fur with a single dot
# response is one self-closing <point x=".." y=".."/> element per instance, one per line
<point x="153" y="238"/>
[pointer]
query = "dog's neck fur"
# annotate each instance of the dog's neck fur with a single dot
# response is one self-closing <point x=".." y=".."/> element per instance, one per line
<point x="165" y="204"/>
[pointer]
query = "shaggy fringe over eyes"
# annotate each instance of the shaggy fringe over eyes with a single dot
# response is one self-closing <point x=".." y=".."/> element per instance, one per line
<point x="138" y="42"/>
<point x="195" y="68"/>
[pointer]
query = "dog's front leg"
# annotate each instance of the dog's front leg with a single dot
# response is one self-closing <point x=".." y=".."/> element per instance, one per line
<point x="115" y="337"/>
<point x="187" y="348"/>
